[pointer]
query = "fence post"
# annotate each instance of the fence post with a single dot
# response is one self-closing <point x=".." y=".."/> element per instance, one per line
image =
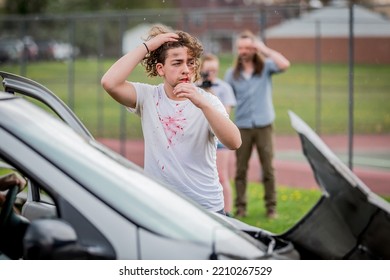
<point x="122" y="126"/>
<point x="23" y="58"/>
<point x="100" y="93"/>
<point x="351" y="80"/>
<point x="263" y="23"/>
<point x="318" y="77"/>
<point x="71" y="34"/>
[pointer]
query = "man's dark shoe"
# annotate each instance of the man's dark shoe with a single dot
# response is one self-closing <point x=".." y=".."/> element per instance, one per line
<point x="271" y="214"/>
<point x="240" y="213"/>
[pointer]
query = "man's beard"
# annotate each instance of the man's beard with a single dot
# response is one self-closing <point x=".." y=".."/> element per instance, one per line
<point x="246" y="57"/>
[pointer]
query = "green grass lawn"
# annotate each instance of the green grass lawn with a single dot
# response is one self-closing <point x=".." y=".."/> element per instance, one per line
<point x="292" y="205"/>
<point x="294" y="90"/>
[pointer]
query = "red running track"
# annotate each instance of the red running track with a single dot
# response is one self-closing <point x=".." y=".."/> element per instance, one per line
<point x="294" y="172"/>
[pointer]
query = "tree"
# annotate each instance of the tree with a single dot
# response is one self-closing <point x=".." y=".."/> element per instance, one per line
<point x="23" y="7"/>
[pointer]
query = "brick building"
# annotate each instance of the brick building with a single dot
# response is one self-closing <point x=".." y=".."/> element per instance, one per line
<point x="303" y="34"/>
<point x="324" y="34"/>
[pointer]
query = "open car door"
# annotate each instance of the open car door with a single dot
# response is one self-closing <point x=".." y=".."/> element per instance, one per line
<point x="16" y="84"/>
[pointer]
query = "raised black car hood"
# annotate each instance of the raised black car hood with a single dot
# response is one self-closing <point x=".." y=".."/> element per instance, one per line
<point x="349" y="221"/>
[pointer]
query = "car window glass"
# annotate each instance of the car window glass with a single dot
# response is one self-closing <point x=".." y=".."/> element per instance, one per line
<point x="21" y="199"/>
<point x="5" y="170"/>
<point x="45" y="197"/>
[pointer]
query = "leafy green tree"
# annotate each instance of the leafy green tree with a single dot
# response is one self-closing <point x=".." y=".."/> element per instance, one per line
<point x="23" y="7"/>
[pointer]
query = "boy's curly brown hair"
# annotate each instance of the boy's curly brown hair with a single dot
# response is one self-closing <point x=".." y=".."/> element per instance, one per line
<point x="195" y="50"/>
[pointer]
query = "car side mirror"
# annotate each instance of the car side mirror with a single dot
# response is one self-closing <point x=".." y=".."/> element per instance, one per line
<point x="53" y="239"/>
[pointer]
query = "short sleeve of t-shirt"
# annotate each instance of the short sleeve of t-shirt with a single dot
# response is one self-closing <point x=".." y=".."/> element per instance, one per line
<point x="142" y="91"/>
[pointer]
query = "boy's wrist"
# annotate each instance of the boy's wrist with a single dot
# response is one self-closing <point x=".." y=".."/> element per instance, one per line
<point x="146" y="47"/>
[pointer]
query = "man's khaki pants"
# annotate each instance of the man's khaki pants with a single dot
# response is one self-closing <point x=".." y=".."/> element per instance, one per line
<point x="262" y="138"/>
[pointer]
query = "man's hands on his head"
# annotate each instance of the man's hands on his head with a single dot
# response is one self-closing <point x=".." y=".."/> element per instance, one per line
<point x="260" y="47"/>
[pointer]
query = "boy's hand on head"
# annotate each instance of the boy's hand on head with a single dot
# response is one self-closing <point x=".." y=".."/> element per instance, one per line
<point x="155" y="42"/>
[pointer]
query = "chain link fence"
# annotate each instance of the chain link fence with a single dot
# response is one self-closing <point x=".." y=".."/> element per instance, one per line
<point x="80" y="47"/>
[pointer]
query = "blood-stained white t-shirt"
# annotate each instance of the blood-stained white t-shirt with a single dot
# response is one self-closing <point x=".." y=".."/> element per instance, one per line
<point x="180" y="147"/>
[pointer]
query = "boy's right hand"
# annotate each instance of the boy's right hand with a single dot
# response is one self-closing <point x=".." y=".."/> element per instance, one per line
<point x="190" y="91"/>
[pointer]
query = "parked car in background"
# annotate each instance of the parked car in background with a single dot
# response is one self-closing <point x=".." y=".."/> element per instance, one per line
<point x="64" y="51"/>
<point x="30" y="48"/>
<point x="14" y="49"/>
<point x="11" y="50"/>
<point x="85" y="201"/>
<point x="54" y="50"/>
<point x="46" y="49"/>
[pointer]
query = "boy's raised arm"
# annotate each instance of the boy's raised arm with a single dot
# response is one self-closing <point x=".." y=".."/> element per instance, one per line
<point x="114" y="81"/>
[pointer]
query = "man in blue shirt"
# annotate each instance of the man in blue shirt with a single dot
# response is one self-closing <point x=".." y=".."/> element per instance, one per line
<point x="251" y="81"/>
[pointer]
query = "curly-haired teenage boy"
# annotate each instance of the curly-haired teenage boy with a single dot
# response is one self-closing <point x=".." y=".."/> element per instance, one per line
<point x="180" y="121"/>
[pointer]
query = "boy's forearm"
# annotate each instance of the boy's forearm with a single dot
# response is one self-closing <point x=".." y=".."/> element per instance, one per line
<point x="225" y="130"/>
<point x="121" y="69"/>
